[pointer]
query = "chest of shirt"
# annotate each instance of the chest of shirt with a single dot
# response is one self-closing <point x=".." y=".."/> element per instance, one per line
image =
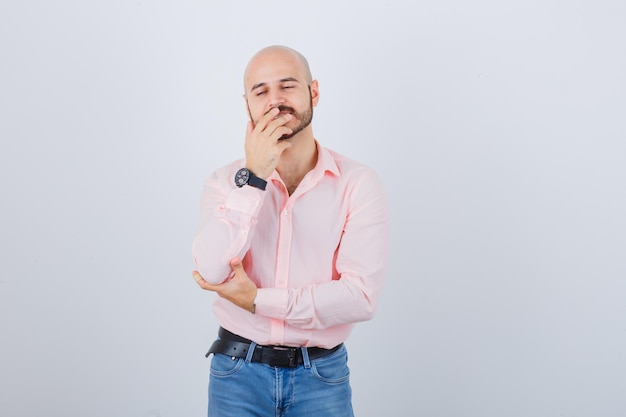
<point x="296" y="237"/>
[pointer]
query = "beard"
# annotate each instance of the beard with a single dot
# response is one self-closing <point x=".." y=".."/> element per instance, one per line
<point x="305" y="118"/>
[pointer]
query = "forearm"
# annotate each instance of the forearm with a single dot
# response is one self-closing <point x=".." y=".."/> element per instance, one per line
<point x="227" y="219"/>
<point x="360" y="261"/>
<point x="344" y="301"/>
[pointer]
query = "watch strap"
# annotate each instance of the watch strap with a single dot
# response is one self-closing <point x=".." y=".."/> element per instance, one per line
<point x="256" y="182"/>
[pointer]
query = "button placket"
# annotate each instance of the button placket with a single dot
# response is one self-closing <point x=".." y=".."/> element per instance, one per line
<point x="284" y="249"/>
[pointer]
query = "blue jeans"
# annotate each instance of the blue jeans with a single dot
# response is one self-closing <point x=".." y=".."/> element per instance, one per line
<point x="319" y="388"/>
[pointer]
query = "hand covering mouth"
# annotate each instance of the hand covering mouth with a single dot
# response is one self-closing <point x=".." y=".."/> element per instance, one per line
<point x="283" y="110"/>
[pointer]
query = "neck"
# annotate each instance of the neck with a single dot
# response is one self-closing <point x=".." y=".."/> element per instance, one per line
<point x="298" y="159"/>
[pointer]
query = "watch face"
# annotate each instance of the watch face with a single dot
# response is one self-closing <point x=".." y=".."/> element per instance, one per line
<point x="242" y="177"/>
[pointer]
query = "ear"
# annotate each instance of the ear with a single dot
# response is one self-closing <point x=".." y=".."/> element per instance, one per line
<point x="245" y="103"/>
<point x="315" y="92"/>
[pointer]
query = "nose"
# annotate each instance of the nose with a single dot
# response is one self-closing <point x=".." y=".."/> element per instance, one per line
<point x="275" y="98"/>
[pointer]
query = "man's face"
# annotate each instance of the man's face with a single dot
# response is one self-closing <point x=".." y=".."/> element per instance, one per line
<point x="277" y="79"/>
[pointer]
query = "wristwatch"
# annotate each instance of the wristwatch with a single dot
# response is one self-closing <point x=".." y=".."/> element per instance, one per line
<point x="244" y="176"/>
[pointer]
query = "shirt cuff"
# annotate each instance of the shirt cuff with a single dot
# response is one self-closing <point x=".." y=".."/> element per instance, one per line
<point x="272" y="302"/>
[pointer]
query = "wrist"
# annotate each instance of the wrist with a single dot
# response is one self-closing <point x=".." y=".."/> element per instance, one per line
<point x="259" y="173"/>
<point x="253" y="309"/>
<point x="246" y="177"/>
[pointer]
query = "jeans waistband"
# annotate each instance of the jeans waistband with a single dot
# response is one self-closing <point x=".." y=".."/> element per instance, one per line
<point x="279" y="356"/>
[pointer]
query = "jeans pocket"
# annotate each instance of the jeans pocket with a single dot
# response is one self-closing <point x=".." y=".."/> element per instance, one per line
<point x="223" y="365"/>
<point x="332" y="369"/>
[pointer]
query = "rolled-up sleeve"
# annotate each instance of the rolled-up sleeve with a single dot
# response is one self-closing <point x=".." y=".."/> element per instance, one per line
<point x="226" y="225"/>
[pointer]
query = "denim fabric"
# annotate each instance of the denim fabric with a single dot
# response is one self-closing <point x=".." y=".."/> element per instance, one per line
<point x="320" y="388"/>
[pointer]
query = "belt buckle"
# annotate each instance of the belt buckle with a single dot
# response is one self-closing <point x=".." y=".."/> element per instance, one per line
<point x="281" y="362"/>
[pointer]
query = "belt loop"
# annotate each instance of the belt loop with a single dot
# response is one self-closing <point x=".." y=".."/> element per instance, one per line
<point x="251" y="350"/>
<point x="305" y="357"/>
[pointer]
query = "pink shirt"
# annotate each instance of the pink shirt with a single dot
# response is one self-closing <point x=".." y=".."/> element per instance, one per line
<point x="318" y="257"/>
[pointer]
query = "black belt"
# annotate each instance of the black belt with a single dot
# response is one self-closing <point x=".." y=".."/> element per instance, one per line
<point x="280" y="356"/>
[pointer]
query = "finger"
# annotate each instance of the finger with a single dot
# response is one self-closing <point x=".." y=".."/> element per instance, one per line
<point x="279" y="122"/>
<point x="272" y="120"/>
<point x="279" y="132"/>
<point x="200" y="281"/>
<point x="265" y="119"/>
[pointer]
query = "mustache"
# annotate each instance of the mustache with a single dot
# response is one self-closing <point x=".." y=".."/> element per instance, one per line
<point x="282" y="108"/>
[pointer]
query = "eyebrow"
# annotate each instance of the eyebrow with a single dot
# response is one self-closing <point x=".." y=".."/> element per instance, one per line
<point x="283" y="80"/>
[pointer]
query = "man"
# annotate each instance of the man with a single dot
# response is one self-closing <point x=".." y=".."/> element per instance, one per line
<point x="294" y="240"/>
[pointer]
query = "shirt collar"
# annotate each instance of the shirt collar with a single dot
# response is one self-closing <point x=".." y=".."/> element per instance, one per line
<point x="325" y="163"/>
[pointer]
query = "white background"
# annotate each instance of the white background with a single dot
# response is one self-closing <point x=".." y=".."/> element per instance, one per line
<point x="498" y="127"/>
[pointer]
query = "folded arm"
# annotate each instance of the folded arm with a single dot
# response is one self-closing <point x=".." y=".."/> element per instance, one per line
<point x="226" y="226"/>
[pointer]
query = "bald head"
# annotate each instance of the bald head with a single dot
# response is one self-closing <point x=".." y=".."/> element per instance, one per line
<point x="277" y="55"/>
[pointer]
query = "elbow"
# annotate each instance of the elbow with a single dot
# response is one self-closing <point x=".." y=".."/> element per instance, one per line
<point x="209" y="276"/>
<point x="366" y="296"/>
<point x="368" y="311"/>
<point x="212" y="272"/>
<point x="365" y="304"/>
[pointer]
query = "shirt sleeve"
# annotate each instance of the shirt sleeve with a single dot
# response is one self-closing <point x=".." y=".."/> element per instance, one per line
<point x="361" y="265"/>
<point x="227" y="218"/>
